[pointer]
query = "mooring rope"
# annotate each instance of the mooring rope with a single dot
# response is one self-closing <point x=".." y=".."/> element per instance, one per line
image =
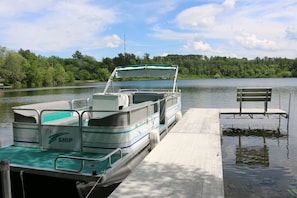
<point x="95" y="185"/>
<point x="22" y="181"/>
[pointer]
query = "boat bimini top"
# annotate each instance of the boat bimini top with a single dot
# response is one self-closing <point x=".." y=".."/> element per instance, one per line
<point x="144" y="70"/>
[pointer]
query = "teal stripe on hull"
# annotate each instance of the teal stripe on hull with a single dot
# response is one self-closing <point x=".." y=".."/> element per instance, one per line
<point x="126" y="144"/>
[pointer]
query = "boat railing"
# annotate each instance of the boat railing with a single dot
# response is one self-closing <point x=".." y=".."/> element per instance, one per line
<point x="32" y="114"/>
<point x="35" y="116"/>
<point x="77" y="122"/>
<point x="75" y="105"/>
<point x="83" y="159"/>
<point x="145" y="90"/>
<point x="66" y="116"/>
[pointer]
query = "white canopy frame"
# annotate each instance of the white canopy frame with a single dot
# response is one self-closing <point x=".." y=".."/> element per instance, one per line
<point x="145" y="70"/>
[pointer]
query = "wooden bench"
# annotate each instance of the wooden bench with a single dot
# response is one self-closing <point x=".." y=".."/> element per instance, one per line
<point x="254" y="94"/>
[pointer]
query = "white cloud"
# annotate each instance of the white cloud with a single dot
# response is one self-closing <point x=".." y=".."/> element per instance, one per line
<point x="167" y="34"/>
<point x="251" y="41"/>
<point x="16" y="8"/>
<point x="112" y="41"/>
<point x="156" y="9"/>
<point x="197" y="46"/>
<point x="229" y="3"/>
<point x="245" y="28"/>
<point x="67" y="24"/>
<point x="198" y="17"/>
<point x="249" y="29"/>
<point x="291" y="32"/>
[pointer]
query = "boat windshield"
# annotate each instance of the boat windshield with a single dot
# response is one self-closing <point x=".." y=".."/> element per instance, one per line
<point x="144" y="70"/>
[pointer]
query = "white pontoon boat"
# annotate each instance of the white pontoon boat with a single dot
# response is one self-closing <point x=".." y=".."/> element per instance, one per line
<point x="96" y="140"/>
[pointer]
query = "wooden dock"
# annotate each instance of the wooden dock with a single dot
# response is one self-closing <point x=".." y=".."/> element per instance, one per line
<point x="186" y="163"/>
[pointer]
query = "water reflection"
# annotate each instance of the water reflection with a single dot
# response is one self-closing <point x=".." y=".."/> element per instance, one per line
<point x="257" y="167"/>
<point x="254" y="153"/>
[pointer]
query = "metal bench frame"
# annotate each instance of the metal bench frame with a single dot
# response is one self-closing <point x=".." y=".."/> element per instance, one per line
<point x="254" y="94"/>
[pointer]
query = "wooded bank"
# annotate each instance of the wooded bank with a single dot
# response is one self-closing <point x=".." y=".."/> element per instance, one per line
<point x="26" y="69"/>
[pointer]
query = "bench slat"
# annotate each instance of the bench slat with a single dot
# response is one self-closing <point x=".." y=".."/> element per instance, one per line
<point x="244" y="94"/>
<point x="254" y="89"/>
<point x="254" y="99"/>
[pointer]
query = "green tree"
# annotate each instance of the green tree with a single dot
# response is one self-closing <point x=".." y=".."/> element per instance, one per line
<point x="77" y="55"/>
<point x="47" y="77"/>
<point x="108" y="63"/>
<point x="70" y="77"/>
<point x="84" y="75"/>
<point x="2" y="55"/>
<point x="102" y="74"/>
<point x="33" y="76"/>
<point x="13" y="69"/>
<point x="90" y="64"/>
<point x="60" y="75"/>
<point x="146" y="58"/>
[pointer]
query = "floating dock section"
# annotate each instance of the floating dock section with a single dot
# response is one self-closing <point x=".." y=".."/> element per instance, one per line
<point x="186" y="163"/>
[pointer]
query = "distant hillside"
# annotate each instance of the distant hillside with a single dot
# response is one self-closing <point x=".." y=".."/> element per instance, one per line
<point x="26" y="69"/>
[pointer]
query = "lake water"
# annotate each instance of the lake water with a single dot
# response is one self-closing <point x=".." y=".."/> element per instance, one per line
<point x="256" y="163"/>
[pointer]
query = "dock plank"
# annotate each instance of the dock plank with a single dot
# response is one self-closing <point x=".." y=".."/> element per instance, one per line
<point x="186" y="163"/>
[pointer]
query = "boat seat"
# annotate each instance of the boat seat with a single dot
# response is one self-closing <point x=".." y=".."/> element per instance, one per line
<point x="116" y="119"/>
<point x="142" y="97"/>
<point x="120" y="118"/>
<point x="29" y="113"/>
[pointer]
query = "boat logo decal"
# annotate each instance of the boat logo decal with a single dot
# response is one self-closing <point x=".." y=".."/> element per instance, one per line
<point x="54" y="137"/>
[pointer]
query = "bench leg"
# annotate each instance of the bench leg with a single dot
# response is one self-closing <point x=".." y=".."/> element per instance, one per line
<point x="265" y="106"/>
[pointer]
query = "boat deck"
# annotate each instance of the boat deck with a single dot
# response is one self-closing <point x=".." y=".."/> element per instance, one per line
<point x="187" y="162"/>
<point x="35" y="159"/>
<point x="42" y="160"/>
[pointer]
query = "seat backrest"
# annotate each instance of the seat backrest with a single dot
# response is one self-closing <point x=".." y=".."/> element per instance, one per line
<point x="254" y="94"/>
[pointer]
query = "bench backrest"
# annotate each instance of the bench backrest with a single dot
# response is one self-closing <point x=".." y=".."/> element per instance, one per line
<point x="254" y="94"/>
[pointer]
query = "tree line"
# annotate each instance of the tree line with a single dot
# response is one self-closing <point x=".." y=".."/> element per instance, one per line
<point x="26" y="69"/>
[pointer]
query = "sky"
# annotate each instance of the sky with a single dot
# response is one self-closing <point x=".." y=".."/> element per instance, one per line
<point x="105" y="28"/>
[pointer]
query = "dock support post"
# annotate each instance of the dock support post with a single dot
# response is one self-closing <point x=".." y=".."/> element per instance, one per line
<point x="5" y="178"/>
<point x="288" y="115"/>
